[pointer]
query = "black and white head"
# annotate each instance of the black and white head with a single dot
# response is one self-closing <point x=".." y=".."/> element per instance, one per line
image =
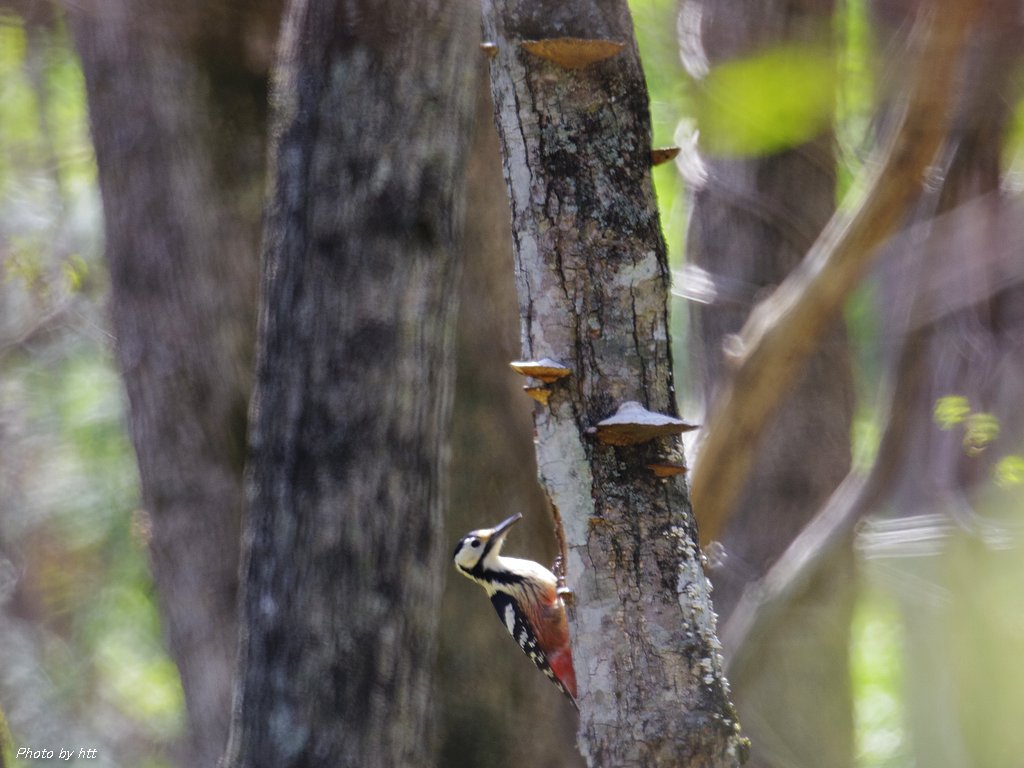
<point x="477" y="553"/>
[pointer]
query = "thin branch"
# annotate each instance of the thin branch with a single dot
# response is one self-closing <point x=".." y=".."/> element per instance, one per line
<point x="947" y="285"/>
<point x="829" y="530"/>
<point x="784" y="330"/>
<point x="813" y="549"/>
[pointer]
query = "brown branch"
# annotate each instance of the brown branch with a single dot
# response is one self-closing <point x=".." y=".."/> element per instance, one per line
<point x="812" y="551"/>
<point x="829" y="530"/>
<point x="784" y="330"/>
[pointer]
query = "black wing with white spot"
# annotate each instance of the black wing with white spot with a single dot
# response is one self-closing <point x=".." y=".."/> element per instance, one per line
<point x="518" y="625"/>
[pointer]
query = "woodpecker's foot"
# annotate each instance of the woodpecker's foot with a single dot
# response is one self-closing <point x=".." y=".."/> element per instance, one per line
<point x="561" y="590"/>
<point x="556" y="568"/>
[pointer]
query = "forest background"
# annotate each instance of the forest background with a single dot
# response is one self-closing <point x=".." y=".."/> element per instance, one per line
<point x="83" y="656"/>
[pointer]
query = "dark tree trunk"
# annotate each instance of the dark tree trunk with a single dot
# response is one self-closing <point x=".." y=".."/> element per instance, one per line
<point x="490" y="692"/>
<point x="344" y="558"/>
<point x="753" y="220"/>
<point x="177" y="102"/>
<point x="592" y="279"/>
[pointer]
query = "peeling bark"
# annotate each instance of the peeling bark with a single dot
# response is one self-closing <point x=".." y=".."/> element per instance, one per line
<point x="592" y="280"/>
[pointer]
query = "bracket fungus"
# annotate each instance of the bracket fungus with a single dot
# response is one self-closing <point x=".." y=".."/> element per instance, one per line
<point x="541" y="394"/>
<point x="660" y="155"/>
<point x="547" y="370"/>
<point x="633" y="424"/>
<point x="490" y="49"/>
<point x="667" y="468"/>
<point x="572" y="52"/>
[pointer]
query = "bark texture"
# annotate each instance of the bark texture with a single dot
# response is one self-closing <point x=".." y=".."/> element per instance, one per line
<point x="752" y="221"/>
<point x="344" y="558"/>
<point x="177" y="103"/>
<point x="592" y="282"/>
<point x="490" y="693"/>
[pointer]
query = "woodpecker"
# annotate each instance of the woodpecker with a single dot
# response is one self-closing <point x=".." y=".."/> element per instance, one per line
<point x="527" y="598"/>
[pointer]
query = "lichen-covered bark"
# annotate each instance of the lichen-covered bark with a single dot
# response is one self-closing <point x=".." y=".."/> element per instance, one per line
<point x="592" y="280"/>
<point x="343" y="555"/>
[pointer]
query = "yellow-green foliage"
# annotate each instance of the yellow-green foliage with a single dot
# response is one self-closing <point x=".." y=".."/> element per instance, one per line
<point x="778" y="98"/>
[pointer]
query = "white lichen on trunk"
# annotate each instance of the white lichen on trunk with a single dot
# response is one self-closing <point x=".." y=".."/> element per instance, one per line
<point x="592" y="277"/>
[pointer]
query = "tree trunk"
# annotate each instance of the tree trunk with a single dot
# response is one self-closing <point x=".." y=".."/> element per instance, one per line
<point x="592" y="280"/>
<point x="344" y="558"/>
<point x="177" y="102"/>
<point x="490" y="693"/>
<point x="753" y="219"/>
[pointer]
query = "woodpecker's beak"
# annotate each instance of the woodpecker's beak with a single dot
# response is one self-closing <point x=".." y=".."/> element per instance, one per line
<point x="499" y="530"/>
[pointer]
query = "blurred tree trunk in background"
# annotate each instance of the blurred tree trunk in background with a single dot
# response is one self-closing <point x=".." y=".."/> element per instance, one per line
<point x="753" y="219"/>
<point x="6" y="746"/>
<point x="177" y="102"/>
<point x="490" y="692"/>
<point x="344" y="558"/>
<point x="953" y="302"/>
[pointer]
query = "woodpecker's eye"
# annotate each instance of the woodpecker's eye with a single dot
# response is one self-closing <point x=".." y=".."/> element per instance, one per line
<point x="474" y="543"/>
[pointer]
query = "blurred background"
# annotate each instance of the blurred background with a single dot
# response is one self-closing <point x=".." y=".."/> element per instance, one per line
<point x="905" y="647"/>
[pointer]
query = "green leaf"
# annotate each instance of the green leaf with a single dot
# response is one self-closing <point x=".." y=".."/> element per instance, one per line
<point x="951" y="410"/>
<point x="982" y="429"/>
<point x="1009" y="471"/>
<point x="75" y="270"/>
<point x="779" y="98"/>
